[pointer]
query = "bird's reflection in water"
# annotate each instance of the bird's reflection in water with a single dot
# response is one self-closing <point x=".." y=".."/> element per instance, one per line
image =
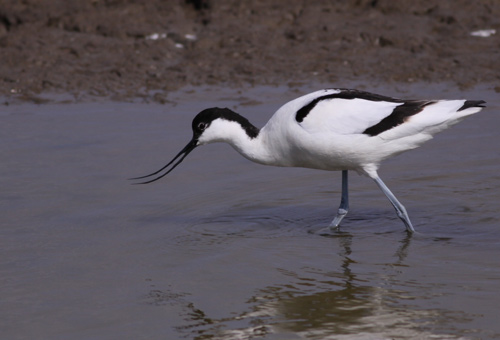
<point x="338" y="303"/>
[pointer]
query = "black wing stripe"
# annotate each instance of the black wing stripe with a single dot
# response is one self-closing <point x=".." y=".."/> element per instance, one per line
<point x="472" y="103"/>
<point x="343" y="94"/>
<point x="400" y="114"/>
<point x="304" y="111"/>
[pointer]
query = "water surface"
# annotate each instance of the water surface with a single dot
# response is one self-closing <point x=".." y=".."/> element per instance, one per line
<point x="226" y="249"/>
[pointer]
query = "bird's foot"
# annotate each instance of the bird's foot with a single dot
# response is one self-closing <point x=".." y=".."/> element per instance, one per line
<point x="336" y="221"/>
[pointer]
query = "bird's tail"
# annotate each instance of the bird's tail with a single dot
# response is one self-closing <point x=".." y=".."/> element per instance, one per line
<point x="438" y="116"/>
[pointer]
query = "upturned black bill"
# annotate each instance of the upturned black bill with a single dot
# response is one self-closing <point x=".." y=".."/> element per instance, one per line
<point x="181" y="155"/>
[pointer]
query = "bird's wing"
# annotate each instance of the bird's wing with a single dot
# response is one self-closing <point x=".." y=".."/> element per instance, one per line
<point x="434" y="117"/>
<point x="355" y="112"/>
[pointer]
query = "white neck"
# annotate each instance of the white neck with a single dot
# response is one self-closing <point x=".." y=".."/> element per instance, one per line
<point x="255" y="149"/>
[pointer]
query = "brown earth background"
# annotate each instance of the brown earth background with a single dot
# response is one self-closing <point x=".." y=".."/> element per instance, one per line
<point x="125" y="49"/>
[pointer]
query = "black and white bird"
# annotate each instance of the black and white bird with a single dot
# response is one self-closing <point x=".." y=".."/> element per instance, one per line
<point x="331" y="129"/>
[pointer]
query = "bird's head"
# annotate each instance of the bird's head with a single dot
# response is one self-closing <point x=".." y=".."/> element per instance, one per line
<point x="209" y="126"/>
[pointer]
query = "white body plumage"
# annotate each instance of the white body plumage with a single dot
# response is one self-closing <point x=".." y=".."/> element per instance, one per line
<point x="331" y="136"/>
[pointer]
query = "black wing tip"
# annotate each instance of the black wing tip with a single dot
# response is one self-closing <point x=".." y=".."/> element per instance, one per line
<point x="472" y="103"/>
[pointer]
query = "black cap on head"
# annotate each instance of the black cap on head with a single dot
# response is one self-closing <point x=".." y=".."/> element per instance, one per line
<point x="203" y="120"/>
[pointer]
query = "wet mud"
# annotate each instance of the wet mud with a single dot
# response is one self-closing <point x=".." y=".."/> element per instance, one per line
<point x="126" y="49"/>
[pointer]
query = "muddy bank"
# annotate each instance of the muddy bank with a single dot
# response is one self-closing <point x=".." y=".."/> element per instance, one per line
<point x="126" y="49"/>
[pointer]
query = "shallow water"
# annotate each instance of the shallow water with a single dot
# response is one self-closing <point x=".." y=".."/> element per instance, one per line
<point x="226" y="249"/>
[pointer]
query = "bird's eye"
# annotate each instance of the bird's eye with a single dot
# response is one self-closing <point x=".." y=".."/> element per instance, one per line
<point x="202" y="126"/>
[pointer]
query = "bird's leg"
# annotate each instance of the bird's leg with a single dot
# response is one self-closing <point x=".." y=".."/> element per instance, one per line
<point x="400" y="209"/>
<point x="344" y="202"/>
